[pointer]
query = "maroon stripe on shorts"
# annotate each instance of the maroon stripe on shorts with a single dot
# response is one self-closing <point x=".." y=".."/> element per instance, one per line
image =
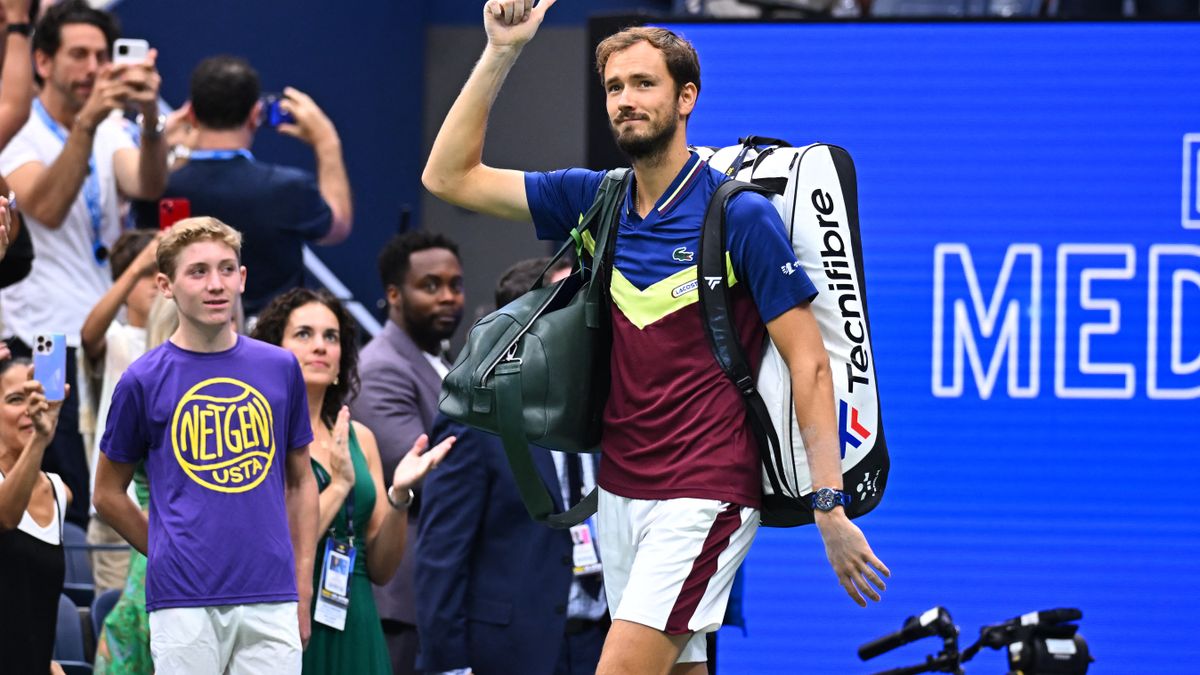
<point x="723" y="527"/>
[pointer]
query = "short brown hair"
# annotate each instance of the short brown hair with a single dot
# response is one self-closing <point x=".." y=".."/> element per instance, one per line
<point x="127" y="247"/>
<point x="682" y="61"/>
<point x="189" y="231"/>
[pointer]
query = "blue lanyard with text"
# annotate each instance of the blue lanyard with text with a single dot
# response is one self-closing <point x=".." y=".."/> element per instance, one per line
<point x="91" y="185"/>
<point x="219" y="155"/>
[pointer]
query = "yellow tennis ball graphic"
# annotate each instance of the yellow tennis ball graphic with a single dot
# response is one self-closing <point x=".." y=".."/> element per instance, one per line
<point x="223" y="434"/>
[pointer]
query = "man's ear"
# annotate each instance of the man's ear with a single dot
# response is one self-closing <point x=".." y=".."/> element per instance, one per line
<point x="253" y="121"/>
<point x="687" y="99"/>
<point x="164" y="285"/>
<point x="42" y="63"/>
<point x="394" y="297"/>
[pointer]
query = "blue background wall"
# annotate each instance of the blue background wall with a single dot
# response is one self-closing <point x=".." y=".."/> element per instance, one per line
<point x="993" y="136"/>
<point x="361" y="61"/>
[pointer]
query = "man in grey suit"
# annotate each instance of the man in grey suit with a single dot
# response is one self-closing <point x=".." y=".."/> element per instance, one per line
<point x="401" y="371"/>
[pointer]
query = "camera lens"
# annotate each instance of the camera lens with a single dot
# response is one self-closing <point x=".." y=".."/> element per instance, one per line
<point x="123" y="50"/>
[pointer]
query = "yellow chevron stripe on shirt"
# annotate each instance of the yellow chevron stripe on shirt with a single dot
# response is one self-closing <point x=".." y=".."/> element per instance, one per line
<point x="662" y="298"/>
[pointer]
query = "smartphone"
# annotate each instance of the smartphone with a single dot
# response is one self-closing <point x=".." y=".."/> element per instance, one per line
<point x="50" y="364"/>
<point x="171" y="210"/>
<point x="273" y="114"/>
<point x="129" y="50"/>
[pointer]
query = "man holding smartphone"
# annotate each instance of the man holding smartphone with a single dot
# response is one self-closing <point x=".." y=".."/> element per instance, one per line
<point x="69" y="166"/>
<point x="276" y="208"/>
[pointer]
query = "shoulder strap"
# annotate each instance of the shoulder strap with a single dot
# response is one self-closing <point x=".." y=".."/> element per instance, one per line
<point x="713" y="288"/>
<point x="602" y="216"/>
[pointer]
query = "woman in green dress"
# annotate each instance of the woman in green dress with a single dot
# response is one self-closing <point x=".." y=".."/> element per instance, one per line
<point x="355" y="509"/>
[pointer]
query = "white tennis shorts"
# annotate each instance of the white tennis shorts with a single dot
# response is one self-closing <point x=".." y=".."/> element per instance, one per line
<point x="669" y="564"/>
<point x="232" y="639"/>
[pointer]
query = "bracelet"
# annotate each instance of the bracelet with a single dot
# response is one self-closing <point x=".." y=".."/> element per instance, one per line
<point x="400" y="506"/>
<point x="25" y="29"/>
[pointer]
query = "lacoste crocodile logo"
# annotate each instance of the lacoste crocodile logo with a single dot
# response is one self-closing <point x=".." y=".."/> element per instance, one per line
<point x="681" y="254"/>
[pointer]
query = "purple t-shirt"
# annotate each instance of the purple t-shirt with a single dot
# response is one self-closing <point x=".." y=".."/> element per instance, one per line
<point x="214" y="429"/>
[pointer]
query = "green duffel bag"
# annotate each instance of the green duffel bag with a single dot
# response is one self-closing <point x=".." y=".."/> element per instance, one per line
<point x="536" y="370"/>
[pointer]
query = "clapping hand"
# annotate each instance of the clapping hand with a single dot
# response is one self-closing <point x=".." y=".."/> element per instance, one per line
<point x="420" y="460"/>
<point x="341" y="466"/>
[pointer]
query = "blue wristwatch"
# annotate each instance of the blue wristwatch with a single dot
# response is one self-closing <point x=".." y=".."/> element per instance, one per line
<point x="826" y="499"/>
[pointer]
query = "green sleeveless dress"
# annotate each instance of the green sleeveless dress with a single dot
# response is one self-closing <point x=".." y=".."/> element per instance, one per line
<point x="360" y="648"/>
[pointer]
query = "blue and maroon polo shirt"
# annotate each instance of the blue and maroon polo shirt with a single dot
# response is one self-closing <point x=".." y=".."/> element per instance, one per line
<point x="674" y="425"/>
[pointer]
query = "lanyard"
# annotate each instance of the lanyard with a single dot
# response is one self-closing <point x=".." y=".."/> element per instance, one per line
<point x="219" y="155"/>
<point x="347" y="508"/>
<point x="91" y="185"/>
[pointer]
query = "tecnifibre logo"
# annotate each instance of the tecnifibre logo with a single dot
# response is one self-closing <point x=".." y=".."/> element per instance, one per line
<point x="848" y="422"/>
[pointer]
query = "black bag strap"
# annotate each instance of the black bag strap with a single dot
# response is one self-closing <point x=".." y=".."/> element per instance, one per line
<point x="534" y="492"/>
<point x="722" y="335"/>
<point x="510" y="410"/>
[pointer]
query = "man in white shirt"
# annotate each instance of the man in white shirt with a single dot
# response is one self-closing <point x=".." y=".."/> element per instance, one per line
<point x="69" y="166"/>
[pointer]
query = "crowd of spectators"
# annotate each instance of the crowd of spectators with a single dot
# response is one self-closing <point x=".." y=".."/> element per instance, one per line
<point x="157" y="319"/>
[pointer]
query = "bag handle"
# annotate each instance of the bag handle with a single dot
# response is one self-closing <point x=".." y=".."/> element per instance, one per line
<point x="510" y="415"/>
<point x="510" y="408"/>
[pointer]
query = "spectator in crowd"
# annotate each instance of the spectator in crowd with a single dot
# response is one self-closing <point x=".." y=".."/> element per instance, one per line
<point x="494" y="587"/>
<point x="276" y="208"/>
<point x="109" y="347"/>
<point x="123" y="646"/>
<point x="32" y="504"/>
<point x="67" y="166"/>
<point x="345" y="459"/>
<point x="402" y="371"/>
<point x="221" y="422"/>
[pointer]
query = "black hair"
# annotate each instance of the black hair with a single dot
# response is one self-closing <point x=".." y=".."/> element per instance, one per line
<point x="394" y="258"/>
<point x="15" y="361"/>
<point x="126" y="248"/>
<point x="520" y="278"/>
<point x="224" y="90"/>
<point x="273" y="320"/>
<point x="47" y="37"/>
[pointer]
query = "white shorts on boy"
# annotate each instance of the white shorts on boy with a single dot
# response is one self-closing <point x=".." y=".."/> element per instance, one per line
<point x="232" y="639"/>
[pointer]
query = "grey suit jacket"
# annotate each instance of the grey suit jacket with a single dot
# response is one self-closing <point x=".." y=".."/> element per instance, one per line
<point x="398" y="402"/>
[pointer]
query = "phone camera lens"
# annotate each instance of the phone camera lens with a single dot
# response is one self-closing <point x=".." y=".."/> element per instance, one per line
<point x="123" y="50"/>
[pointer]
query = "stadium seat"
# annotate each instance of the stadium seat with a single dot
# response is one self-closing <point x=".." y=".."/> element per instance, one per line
<point x="68" y="633"/>
<point x="79" y="582"/>
<point x="101" y="606"/>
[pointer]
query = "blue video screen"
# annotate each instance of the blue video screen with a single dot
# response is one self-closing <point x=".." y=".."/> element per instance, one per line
<point x="1030" y="213"/>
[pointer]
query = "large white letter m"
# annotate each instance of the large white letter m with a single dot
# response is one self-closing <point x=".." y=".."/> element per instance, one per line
<point x="1009" y="319"/>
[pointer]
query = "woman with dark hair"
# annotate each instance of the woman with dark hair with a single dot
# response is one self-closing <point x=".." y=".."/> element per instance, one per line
<point x="361" y="533"/>
<point x="32" y="503"/>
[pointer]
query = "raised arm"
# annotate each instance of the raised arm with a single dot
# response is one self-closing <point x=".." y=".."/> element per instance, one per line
<point x="47" y="192"/>
<point x="142" y="173"/>
<point x="314" y="127"/>
<point x="798" y="339"/>
<point x="455" y="171"/>
<point x="17" y="487"/>
<point x="17" y="74"/>
<point x="95" y="326"/>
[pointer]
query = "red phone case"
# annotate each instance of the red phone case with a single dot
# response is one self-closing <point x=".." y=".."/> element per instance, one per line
<point x="172" y="210"/>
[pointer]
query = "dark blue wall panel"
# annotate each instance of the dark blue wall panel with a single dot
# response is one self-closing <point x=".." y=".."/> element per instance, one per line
<point x="361" y="62"/>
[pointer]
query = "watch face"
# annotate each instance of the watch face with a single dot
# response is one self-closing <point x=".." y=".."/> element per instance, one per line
<point x="824" y="499"/>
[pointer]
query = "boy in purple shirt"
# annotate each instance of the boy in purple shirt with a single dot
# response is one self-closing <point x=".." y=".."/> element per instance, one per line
<point x="221" y="421"/>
